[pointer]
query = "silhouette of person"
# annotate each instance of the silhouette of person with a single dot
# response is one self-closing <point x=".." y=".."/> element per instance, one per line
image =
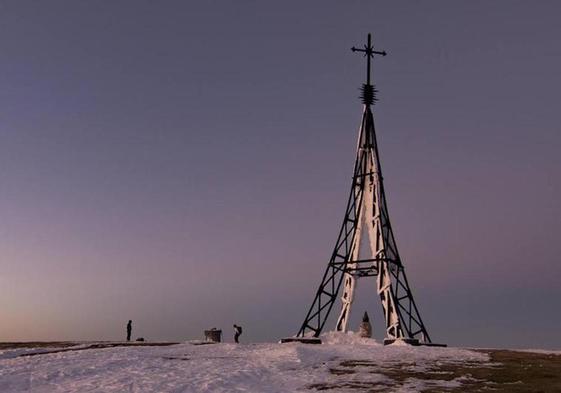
<point x="129" y="330"/>
<point x="237" y="333"/>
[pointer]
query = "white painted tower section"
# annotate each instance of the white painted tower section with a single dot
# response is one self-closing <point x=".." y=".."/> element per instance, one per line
<point x="372" y="218"/>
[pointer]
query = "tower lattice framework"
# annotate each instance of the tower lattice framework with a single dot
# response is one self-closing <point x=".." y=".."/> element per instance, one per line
<point x="367" y="211"/>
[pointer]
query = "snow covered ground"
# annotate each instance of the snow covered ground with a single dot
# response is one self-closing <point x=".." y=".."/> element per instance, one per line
<point x="218" y="368"/>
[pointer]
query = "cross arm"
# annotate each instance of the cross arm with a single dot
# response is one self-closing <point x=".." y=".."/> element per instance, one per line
<point x="369" y="51"/>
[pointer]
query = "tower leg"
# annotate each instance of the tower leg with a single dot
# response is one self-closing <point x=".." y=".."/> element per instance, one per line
<point x="349" y="281"/>
<point x="365" y="220"/>
<point x="391" y="316"/>
<point x="347" y="302"/>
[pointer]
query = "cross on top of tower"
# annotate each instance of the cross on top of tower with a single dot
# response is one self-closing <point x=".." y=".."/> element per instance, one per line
<point x="368" y="90"/>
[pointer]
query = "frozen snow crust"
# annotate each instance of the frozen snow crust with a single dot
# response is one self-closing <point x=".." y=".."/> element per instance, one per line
<point x="216" y="368"/>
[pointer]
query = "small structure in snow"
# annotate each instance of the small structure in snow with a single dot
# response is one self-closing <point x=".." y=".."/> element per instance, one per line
<point x="365" y="328"/>
<point x="213" y="335"/>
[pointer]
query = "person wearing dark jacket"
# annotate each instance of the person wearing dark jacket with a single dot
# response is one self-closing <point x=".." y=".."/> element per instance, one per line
<point x="237" y="333"/>
<point x="129" y="330"/>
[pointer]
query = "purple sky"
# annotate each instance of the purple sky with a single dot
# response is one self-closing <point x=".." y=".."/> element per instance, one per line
<point x="187" y="166"/>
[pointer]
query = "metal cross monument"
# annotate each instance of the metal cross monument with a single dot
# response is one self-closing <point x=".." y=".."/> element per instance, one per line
<point x="366" y="212"/>
<point x="369" y="52"/>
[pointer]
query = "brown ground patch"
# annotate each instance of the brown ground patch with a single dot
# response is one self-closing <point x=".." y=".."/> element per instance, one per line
<point x="100" y="346"/>
<point x="507" y="371"/>
<point x="37" y="344"/>
<point x="68" y="346"/>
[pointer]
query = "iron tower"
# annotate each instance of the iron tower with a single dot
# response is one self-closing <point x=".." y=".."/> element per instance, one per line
<point x="367" y="211"/>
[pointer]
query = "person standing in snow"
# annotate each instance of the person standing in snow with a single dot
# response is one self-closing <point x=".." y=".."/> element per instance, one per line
<point x="237" y="333"/>
<point x="129" y="330"/>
